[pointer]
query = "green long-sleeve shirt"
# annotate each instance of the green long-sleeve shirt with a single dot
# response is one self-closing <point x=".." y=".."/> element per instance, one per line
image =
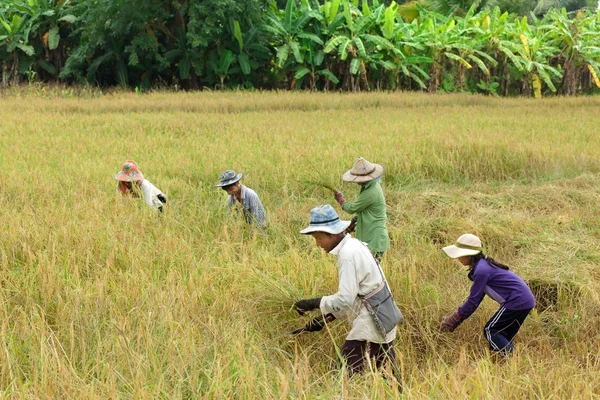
<point x="369" y="208"/>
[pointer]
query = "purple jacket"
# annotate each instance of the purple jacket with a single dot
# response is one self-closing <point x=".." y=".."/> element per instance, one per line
<point x="503" y="286"/>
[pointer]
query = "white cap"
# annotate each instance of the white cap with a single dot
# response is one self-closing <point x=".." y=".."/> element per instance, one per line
<point x="466" y="245"/>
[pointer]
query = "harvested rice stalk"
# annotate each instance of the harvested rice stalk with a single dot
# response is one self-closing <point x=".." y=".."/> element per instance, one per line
<point x="322" y="184"/>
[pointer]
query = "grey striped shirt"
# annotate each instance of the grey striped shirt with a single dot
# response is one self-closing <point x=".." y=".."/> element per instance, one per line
<point x="254" y="211"/>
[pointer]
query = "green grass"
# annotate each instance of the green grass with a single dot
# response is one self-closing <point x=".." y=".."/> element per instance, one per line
<point x="102" y="298"/>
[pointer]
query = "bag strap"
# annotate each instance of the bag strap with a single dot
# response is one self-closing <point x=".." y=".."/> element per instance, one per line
<point x="380" y="270"/>
<point x="383" y="280"/>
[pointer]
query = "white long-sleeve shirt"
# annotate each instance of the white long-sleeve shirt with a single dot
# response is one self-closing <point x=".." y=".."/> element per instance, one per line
<point x="358" y="274"/>
<point x="150" y="193"/>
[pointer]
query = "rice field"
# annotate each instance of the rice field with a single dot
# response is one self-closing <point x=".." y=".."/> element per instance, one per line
<point x="102" y="298"/>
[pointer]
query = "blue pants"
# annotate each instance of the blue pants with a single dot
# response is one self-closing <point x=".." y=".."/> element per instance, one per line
<point x="502" y="328"/>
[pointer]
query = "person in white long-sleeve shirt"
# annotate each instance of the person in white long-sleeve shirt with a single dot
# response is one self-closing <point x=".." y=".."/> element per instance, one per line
<point x="131" y="175"/>
<point x="359" y="275"/>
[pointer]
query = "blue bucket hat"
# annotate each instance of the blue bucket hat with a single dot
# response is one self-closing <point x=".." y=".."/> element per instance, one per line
<point x="325" y="219"/>
<point x="229" y="177"/>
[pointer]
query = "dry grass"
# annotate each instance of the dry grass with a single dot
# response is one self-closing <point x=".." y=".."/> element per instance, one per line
<point x="101" y="298"/>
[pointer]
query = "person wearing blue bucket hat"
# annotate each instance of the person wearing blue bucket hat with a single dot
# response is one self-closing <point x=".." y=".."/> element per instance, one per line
<point x="359" y="276"/>
<point x="247" y="198"/>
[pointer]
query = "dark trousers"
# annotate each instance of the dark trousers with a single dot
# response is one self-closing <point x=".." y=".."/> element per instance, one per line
<point x="355" y="351"/>
<point x="502" y="327"/>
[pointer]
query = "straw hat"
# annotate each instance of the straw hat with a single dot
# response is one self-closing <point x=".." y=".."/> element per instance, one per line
<point x="229" y="177"/>
<point x="466" y="245"/>
<point x="129" y="172"/>
<point x="325" y="219"/>
<point x="363" y="171"/>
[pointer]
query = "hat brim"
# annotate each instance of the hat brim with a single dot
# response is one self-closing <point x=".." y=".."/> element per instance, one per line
<point x="339" y="227"/>
<point x="457" y="252"/>
<point x="350" y="177"/>
<point x="128" y="178"/>
<point x="231" y="181"/>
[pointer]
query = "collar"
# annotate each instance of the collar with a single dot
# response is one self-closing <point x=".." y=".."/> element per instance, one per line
<point x="368" y="184"/>
<point x="336" y="250"/>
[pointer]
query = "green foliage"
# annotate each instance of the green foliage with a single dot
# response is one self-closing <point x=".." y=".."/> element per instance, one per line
<point x="449" y="45"/>
<point x="518" y="7"/>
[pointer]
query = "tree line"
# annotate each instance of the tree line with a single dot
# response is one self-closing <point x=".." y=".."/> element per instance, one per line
<point x="497" y="47"/>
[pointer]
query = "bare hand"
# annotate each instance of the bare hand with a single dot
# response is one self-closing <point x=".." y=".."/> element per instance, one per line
<point x="339" y="197"/>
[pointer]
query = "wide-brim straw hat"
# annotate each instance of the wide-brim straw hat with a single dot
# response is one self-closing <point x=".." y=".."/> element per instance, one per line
<point x="325" y="219"/>
<point x="363" y="171"/>
<point x="229" y="177"/>
<point x="466" y="245"/>
<point x="129" y="172"/>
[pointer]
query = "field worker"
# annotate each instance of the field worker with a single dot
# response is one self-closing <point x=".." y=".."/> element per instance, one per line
<point x="369" y="206"/>
<point x="494" y="279"/>
<point x="243" y="196"/>
<point x="132" y="182"/>
<point x="360" y="277"/>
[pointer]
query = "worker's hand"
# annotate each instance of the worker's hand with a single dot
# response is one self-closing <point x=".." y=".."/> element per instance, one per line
<point x="316" y="324"/>
<point x="339" y="197"/>
<point x="305" y="305"/>
<point x="450" y="322"/>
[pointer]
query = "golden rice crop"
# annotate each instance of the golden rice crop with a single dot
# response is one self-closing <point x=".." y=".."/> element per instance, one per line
<point x="101" y="298"/>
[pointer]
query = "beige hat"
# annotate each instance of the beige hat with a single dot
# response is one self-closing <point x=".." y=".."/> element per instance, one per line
<point x="466" y="245"/>
<point x="363" y="171"/>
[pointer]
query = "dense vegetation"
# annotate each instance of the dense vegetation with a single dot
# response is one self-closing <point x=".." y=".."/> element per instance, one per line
<point x="346" y="45"/>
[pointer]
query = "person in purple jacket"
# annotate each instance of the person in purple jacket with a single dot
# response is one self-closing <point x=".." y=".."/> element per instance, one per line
<point x="494" y="279"/>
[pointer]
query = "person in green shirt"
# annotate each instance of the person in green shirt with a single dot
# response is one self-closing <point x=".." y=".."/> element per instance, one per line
<point x="369" y="206"/>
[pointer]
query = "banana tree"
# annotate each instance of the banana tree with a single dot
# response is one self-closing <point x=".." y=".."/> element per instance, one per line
<point x="494" y="25"/>
<point x="220" y="62"/>
<point x="41" y="21"/>
<point x="402" y="50"/>
<point x="54" y="17"/>
<point x="4" y="55"/>
<point x="471" y="28"/>
<point x="15" y="39"/>
<point x="532" y="55"/>
<point x="445" y="41"/>
<point x="294" y="35"/>
<point x="578" y="44"/>
<point x="300" y="34"/>
<point x="251" y="53"/>
<point x="314" y="68"/>
<point x="349" y="41"/>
